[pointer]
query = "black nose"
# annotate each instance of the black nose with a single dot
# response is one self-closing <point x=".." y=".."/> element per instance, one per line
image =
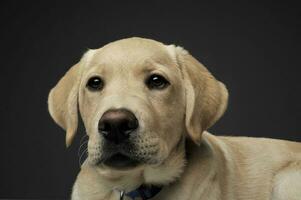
<point x="117" y="125"/>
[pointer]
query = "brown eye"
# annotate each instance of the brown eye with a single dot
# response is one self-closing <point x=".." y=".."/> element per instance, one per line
<point x="95" y="83"/>
<point x="156" y="82"/>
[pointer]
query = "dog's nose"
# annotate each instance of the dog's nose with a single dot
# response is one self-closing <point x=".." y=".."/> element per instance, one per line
<point x="117" y="125"/>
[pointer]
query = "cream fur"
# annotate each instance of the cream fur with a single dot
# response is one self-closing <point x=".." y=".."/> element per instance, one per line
<point x="191" y="163"/>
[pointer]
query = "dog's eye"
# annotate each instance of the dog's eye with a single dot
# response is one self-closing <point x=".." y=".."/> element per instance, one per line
<point x="156" y="82"/>
<point x="95" y="83"/>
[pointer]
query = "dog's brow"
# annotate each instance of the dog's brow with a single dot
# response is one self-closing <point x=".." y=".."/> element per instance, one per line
<point x="99" y="67"/>
<point x="150" y="65"/>
<point x="96" y="64"/>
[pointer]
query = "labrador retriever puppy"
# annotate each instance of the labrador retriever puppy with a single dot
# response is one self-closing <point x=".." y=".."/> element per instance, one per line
<point x="146" y="107"/>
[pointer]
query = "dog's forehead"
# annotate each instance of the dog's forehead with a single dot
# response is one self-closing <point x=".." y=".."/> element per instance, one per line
<point x="132" y="51"/>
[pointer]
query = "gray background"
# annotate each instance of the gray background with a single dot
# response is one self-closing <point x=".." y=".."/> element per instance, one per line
<point x="254" y="48"/>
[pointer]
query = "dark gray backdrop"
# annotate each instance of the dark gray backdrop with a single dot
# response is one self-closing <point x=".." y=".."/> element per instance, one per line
<point x="254" y="48"/>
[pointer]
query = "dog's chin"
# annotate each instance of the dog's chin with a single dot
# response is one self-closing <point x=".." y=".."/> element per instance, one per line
<point x="120" y="162"/>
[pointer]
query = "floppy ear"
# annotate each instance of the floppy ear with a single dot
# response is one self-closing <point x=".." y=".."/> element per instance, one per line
<point x="63" y="99"/>
<point x="206" y="97"/>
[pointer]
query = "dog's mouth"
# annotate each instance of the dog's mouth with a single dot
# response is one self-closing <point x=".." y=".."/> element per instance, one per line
<point x="120" y="161"/>
<point x="123" y="157"/>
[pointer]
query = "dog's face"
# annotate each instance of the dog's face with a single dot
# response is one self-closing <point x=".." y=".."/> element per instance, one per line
<point x="131" y="83"/>
<point x="138" y="99"/>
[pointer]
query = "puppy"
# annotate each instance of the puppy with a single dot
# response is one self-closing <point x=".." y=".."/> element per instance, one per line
<point x="146" y="107"/>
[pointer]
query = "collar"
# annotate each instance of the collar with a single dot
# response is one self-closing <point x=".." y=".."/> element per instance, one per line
<point x="143" y="192"/>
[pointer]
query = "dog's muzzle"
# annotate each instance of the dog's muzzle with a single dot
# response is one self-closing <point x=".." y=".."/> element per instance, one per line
<point x="116" y="127"/>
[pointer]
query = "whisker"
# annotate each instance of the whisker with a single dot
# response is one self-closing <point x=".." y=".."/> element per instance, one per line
<point x="83" y="138"/>
<point x="80" y="147"/>
<point x="80" y="158"/>
<point x="82" y="142"/>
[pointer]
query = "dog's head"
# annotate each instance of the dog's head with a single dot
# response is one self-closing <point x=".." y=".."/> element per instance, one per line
<point x="138" y="99"/>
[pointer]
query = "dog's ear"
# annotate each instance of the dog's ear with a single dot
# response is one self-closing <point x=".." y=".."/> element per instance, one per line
<point x="63" y="99"/>
<point x="206" y="97"/>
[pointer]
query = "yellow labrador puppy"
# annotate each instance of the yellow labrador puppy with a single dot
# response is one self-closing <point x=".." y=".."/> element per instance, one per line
<point x="146" y="107"/>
